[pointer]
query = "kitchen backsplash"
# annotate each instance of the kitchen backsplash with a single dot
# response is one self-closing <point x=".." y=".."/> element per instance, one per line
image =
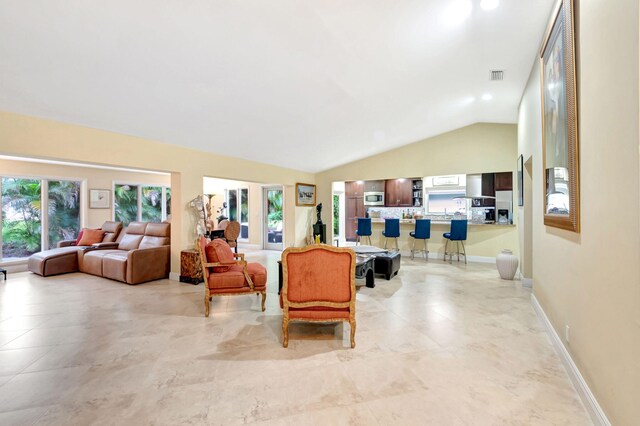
<point x="394" y="212"/>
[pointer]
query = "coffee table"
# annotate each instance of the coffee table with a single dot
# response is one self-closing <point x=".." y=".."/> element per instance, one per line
<point x="364" y="270"/>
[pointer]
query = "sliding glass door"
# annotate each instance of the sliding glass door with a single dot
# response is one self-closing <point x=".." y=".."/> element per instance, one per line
<point x="63" y="211"/>
<point x="273" y="218"/>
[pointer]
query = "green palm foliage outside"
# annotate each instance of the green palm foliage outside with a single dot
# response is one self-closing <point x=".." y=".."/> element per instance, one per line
<point x="274" y="210"/>
<point x="152" y="204"/>
<point x="336" y="215"/>
<point x="63" y="211"/>
<point x="21" y="206"/>
<point x="126" y="203"/>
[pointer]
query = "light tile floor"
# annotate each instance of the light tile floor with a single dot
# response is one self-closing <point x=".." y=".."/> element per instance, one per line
<point x="439" y="344"/>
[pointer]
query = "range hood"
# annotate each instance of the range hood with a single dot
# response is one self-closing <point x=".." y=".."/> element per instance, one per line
<point x="474" y="188"/>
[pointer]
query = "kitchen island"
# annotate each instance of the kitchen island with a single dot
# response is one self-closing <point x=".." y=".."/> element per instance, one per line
<point x="484" y="241"/>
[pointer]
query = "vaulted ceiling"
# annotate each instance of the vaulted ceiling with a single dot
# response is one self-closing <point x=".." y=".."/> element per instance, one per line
<point x="305" y="85"/>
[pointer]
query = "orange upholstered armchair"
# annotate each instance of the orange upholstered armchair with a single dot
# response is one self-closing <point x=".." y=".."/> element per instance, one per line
<point x="318" y="285"/>
<point x="227" y="273"/>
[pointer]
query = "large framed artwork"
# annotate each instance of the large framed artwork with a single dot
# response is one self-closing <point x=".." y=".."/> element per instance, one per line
<point x="305" y="194"/>
<point x="560" y="121"/>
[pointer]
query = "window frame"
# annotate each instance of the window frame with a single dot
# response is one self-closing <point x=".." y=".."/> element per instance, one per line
<point x="139" y="187"/>
<point x="44" y="202"/>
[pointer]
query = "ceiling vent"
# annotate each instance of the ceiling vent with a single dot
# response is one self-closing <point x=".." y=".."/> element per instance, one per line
<point x="496" y="75"/>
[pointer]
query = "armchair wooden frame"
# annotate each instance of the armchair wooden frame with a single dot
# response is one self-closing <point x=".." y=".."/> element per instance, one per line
<point x="208" y="295"/>
<point x="286" y="304"/>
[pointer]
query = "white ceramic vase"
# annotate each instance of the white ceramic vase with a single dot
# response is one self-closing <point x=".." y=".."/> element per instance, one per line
<point x="507" y="264"/>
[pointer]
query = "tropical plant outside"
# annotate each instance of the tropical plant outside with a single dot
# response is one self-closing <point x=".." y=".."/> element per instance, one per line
<point x="63" y="210"/>
<point x="152" y="203"/>
<point x="336" y="215"/>
<point x="21" y="204"/>
<point x="274" y="208"/>
<point x="126" y="203"/>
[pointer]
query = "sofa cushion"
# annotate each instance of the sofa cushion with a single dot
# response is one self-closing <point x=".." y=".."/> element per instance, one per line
<point x="114" y="266"/>
<point x="91" y="262"/>
<point x="258" y="274"/>
<point x="91" y="236"/>
<point x="79" y="236"/>
<point x="137" y="228"/>
<point x="218" y="251"/>
<point x="130" y="242"/>
<point x="112" y="230"/>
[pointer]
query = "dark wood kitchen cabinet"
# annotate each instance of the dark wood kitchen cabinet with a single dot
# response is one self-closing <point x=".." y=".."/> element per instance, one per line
<point x="373" y="186"/>
<point x="504" y="181"/>
<point x="354" y="189"/>
<point x="398" y="193"/>
<point x="488" y="189"/>
<point x="354" y="207"/>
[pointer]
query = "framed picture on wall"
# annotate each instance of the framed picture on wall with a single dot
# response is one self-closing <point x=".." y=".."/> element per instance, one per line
<point x="99" y="199"/>
<point x="520" y="181"/>
<point x="305" y="194"/>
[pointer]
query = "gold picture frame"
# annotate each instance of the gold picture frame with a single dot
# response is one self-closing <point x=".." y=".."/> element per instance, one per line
<point x="305" y="194"/>
<point x="558" y="86"/>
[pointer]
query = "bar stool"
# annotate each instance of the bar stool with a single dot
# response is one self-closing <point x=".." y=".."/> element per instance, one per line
<point x="391" y="230"/>
<point x="364" y="229"/>
<point x="422" y="232"/>
<point x="458" y="234"/>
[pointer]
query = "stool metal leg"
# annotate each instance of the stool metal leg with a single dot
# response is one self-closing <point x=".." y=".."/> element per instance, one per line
<point x="446" y="244"/>
<point x="426" y="250"/>
<point x="413" y="250"/>
<point x="464" y="253"/>
<point x="395" y="239"/>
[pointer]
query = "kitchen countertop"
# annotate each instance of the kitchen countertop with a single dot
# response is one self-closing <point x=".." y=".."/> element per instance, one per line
<point x="440" y="222"/>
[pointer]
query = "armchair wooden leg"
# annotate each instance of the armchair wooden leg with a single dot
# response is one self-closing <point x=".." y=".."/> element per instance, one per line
<point x="353" y="333"/>
<point x="206" y="306"/>
<point x="285" y="333"/>
<point x="264" y="299"/>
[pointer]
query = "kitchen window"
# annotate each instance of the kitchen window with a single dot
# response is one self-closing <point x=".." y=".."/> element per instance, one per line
<point x="446" y="202"/>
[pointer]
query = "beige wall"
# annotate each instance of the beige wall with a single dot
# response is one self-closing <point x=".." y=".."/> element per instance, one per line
<point x="92" y="178"/>
<point x="38" y="138"/>
<point x="483" y="147"/>
<point x="591" y="281"/>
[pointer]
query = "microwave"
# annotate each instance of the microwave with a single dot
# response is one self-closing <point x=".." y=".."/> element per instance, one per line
<point x="374" y="198"/>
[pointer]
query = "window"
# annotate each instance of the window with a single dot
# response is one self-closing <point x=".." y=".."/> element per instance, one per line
<point x="239" y="209"/>
<point x="21" y="226"/>
<point x="63" y="211"/>
<point x="152" y="203"/>
<point x="125" y="203"/>
<point x="134" y="202"/>
<point x="449" y="202"/>
<point x="25" y="228"/>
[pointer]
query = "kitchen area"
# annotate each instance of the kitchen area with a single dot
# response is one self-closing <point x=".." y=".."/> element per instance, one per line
<point x="486" y="200"/>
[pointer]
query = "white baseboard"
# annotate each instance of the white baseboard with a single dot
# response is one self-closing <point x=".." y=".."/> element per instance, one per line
<point x="435" y="255"/>
<point x="598" y="416"/>
<point x="174" y="276"/>
<point x="527" y="282"/>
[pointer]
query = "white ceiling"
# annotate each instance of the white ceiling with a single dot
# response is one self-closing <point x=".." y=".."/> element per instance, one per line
<point x="300" y="84"/>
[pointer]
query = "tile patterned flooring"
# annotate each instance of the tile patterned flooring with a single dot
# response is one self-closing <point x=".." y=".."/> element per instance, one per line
<point x="439" y="344"/>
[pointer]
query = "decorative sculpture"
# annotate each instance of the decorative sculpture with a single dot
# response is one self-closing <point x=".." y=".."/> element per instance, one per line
<point x="197" y="206"/>
<point x="318" y="213"/>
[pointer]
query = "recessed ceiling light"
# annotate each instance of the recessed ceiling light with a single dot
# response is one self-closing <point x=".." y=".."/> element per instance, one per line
<point x="487" y="97"/>
<point x="489" y="4"/>
<point x="469" y="100"/>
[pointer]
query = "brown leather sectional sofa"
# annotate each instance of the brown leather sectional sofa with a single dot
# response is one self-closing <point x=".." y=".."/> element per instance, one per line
<point x="138" y="254"/>
<point x="64" y="258"/>
<point x="141" y="253"/>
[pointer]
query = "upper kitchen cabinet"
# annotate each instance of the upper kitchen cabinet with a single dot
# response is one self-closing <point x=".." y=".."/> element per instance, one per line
<point x="504" y="181"/>
<point x="354" y="189"/>
<point x="398" y="193"/>
<point x="373" y="186"/>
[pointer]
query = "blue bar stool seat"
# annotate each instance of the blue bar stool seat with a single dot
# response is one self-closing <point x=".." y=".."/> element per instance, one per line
<point x="422" y="232"/>
<point x="391" y="230"/>
<point x="364" y="229"/>
<point x="458" y="234"/>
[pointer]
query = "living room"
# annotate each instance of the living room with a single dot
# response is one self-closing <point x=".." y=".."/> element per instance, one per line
<point x="441" y="343"/>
